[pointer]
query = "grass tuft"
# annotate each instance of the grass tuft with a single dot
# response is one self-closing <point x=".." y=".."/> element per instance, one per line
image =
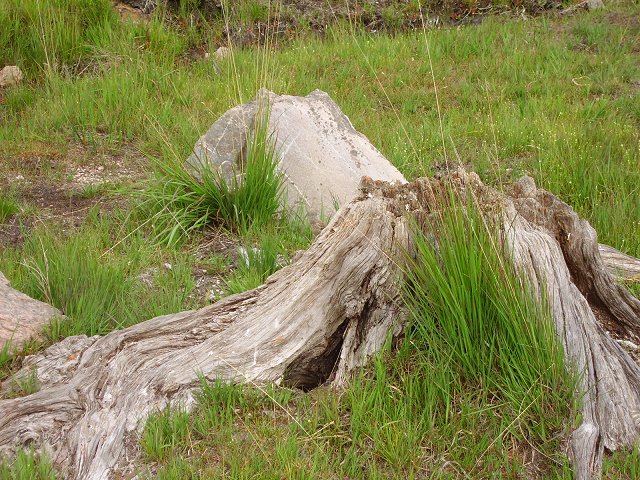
<point x="165" y="432"/>
<point x="255" y="264"/>
<point x="8" y="208"/>
<point x="91" y="275"/>
<point x="27" y="465"/>
<point x="52" y="35"/>
<point x="476" y="323"/>
<point x="186" y="200"/>
<point x="23" y="386"/>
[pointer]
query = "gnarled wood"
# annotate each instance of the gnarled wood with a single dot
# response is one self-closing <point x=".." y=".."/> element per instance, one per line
<point x="620" y="265"/>
<point x="560" y="253"/>
<point x="313" y="320"/>
<point x="321" y="317"/>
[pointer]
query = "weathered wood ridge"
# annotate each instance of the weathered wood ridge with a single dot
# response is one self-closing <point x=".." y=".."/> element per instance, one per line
<point x="324" y="315"/>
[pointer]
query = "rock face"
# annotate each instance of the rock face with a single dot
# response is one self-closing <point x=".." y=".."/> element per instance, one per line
<point x="21" y="317"/>
<point x="322" y="157"/>
<point x="10" y="75"/>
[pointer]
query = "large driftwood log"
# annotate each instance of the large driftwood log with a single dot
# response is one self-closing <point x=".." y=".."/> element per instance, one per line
<point x="323" y="316"/>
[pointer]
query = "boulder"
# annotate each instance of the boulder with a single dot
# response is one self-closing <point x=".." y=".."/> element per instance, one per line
<point x="10" y="75"/>
<point x="21" y="317"/>
<point x="595" y="4"/>
<point x="321" y="155"/>
<point x="221" y="53"/>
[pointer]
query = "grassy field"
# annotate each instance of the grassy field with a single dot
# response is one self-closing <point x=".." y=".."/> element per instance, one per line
<point x="110" y="108"/>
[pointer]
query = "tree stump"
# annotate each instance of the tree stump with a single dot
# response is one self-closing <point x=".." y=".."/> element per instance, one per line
<point x="316" y="320"/>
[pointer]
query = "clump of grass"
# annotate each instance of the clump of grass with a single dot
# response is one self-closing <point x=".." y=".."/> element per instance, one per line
<point x="186" y="199"/>
<point x="177" y="468"/>
<point x="6" y="359"/>
<point x="8" y="208"/>
<point x="94" y="190"/>
<point x="251" y="11"/>
<point x="27" y="465"/>
<point x="165" y="431"/>
<point x="255" y="264"/>
<point x="475" y="322"/>
<point x="11" y="356"/>
<point x="622" y="464"/>
<point x="23" y="386"/>
<point x="221" y="403"/>
<point x="266" y="250"/>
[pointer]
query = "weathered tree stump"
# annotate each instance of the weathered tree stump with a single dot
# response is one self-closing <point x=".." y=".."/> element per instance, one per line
<point x="326" y="314"/>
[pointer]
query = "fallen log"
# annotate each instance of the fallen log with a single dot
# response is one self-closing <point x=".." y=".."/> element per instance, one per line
<point x="316" y="320"/>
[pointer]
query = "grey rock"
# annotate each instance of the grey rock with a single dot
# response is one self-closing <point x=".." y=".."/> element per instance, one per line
<point x="21" y="317"/>
<point x="222" y="53"/>
<point x="594" y="4"/>
<point x="221" y="148"/>
<point x="10" y="75"/>
<point x="321" y="155"/>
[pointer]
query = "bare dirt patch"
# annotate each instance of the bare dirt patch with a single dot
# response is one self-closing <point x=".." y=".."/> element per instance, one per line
<point x="44" y="203"/>
<point x="210" y="282"/>
<point x="625" y="20"/>
<point x="63" y="187"/>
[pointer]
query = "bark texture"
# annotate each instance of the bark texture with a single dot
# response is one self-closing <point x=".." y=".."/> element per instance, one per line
<point x="620" y="265"/>
<point x="324" y="315"/>
<point x="560" y="253"/>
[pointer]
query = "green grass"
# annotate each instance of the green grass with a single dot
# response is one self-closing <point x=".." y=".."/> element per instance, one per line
<point x="94" y="190"/>
<point x="23" y="386"/>
<point x="515" y="97"/>
<point x="6" y="358"/>
<point x="53" y="35"/>
<point x="164" y="432"/>
<point x="27" y="465"/>
<point x="255" y="264"/>
<point x="241" y="198"/>
<point x="90" y="274"/>
<point x="475" y="323"/>
<point x="622" y="465"/>
<point x="476" y="386"/>
<point x="266" y="250"/>
<point x="8" y="208"/>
